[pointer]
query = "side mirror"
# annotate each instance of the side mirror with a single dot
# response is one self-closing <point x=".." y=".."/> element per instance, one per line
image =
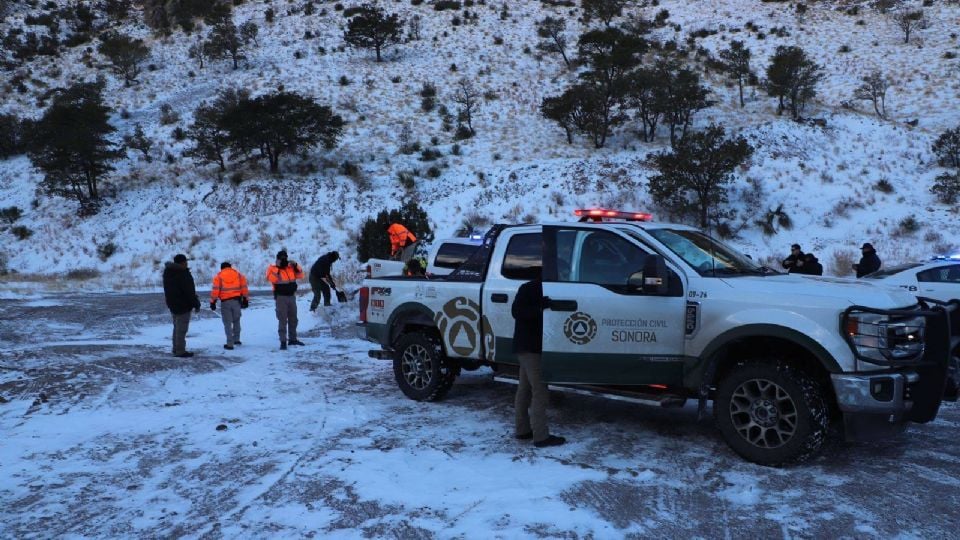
<point x="652" y="279"/>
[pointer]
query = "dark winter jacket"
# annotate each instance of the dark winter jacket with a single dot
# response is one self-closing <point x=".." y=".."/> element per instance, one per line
<point x="811" y="266"/>
<point x="321" y="268"/>
<point x="528" y="312"/>
<point x="790" y="263"/>
<point x="869" y="264"/>
<point x="178" y="289"/>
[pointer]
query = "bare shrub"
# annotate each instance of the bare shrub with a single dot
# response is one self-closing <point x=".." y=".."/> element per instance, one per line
<point x="841" y="262"/>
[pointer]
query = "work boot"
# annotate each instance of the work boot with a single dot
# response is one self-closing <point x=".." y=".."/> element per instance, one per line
<point x="296" y="342"/>
<point x="524" y="436"/>
<point x="237" y="342"/>
<point x="327" y="304"/>
<point x="283" y="345"/>
<point x="228" y="347"/>
<point x="184" y="355"/>
<point x="552" y="440"/>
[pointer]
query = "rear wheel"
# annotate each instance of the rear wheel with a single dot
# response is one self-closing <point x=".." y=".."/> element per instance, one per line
<point x="420" y="368"/>
<point x="772" y="413"/>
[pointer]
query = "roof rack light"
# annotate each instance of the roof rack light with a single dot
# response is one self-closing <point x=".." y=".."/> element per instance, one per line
<point x="600" y="214"/>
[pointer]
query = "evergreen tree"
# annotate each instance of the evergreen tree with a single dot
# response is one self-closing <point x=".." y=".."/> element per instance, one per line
<point x="693" y="178"/>
<point x="226" y="41"/>
<point x="554" y="40"/>
<point x="273" y="125"/>
<point x="681" y="97"/>
<point x="604" y="10"/>
<point x="792" y="78"/>
<point x="209" y="132"/>
<point x="736" y="60"/>
<point x="126" y="55"/>
<point x="372" y="28"/>
<point x="71" y="144"/>
<point x="947" y="148"/>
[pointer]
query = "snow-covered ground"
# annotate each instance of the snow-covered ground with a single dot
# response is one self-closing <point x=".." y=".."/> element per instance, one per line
<point x="519" y="166"/>
<point x="106" y="435"/>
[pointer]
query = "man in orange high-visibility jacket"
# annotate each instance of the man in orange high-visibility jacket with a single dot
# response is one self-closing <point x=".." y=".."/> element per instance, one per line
<point x="284" y="275"/>
<point x="401" y="241"/>
<point x="230" y="288"/>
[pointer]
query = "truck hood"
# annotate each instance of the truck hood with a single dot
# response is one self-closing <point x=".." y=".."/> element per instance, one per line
<point x="844" y="291"/>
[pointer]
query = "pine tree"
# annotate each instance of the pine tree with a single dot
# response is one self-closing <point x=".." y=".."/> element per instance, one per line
<point x="126" y="55"/>
<point x="792" y="78"/>
<point x="693" y="177"/>
<point x="71" y="144"/>
<point x="277" y="124"/>
<point x="737" y="62"/>
<point x="372" y="28"/>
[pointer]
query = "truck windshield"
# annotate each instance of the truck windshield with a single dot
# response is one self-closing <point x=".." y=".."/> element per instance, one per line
<point x="707" y="256"/>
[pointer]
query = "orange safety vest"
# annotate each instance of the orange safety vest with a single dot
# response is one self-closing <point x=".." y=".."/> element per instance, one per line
<point x="228" y="284"/>
<point x="400" y="237"/>
<point x="284" y="276"/>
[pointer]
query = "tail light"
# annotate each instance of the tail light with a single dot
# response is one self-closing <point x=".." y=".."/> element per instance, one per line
<point x="364" y="302"/>
<point x="368" y="270"/>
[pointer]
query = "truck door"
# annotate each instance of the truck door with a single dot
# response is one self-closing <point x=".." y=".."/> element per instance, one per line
<point x="596" y="328"/>
<point x="523" y="253"/>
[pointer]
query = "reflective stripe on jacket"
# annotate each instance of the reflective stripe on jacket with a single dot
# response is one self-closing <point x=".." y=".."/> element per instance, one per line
<point x="228" y="284"/>
<point x="284" y="280"/>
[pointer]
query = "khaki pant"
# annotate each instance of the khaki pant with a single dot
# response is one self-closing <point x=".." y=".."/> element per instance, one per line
<point x="230" y="315"/>
<point x="181" y="323"/>
<point x="532" y="395"/>
<point x="287" y="318"/>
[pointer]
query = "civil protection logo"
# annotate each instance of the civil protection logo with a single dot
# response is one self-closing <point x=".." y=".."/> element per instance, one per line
<point x="580" y="328"/>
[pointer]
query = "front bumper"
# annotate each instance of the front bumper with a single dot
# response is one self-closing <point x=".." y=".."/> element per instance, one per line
<point x="874" y="405"/>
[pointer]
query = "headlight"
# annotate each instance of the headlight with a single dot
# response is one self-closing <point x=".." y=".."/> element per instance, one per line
<point x="879" y="338"/>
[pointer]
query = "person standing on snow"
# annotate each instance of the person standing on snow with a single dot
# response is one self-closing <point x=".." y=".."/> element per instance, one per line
<point x="402" y="242"/>
<point x="811" y="265"/>
<point x="230" y="287"/>
<point x="180" y="294"/>
<point x="320" y="279"/>
<point x="869" y="261"/>
<point x="532" y="394"/>
<point x="794" y="263"/>
<point x="283" y="275"/>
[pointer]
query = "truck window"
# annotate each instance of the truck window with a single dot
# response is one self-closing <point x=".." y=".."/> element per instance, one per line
<point x="599" y="257"/>
<point x="524" y="253"/>
<point x="943" y="274"/>
<point x="452" y="255"/>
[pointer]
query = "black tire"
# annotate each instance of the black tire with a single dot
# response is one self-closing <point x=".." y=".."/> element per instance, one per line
<point x="420" y="368"/>
<point x="772" y="413"/>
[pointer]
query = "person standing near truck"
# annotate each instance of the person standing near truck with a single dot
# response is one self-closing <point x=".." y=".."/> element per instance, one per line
<point x="869" y="261"/>
<point x="321" y="279"/>
<point x="794" y="263"/>
<point x="283" y="275"/>
<point x="402" y="242"/>
<point x="230" y="288"/>
<point x="532" y="393"/>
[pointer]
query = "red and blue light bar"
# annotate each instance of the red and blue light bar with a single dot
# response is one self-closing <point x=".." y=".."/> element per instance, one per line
<point x="599" y="214"/>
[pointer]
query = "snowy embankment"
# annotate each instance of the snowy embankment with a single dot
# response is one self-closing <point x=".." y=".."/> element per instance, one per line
<point x="519" y="166"/>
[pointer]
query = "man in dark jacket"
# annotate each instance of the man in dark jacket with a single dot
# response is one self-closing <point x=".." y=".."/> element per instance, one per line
<point x="180" y="294"/>
<point x="811" y="265"/>
<point x="869" y="262"/>
<point x="794" y="263"/>
<point x="321" y="280"/>
<point x="532" y="393"/>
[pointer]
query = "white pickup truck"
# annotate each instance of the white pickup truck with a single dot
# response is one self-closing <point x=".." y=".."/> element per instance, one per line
<point x="661" y="312"/>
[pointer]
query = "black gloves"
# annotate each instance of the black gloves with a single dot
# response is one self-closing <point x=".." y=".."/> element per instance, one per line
<point x="244" y="302"/>
<point x="213" y="305"/>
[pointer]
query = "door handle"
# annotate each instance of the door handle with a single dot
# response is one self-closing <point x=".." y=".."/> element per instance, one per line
<point x="563" y="305"/>
<point x="499" y="298"/>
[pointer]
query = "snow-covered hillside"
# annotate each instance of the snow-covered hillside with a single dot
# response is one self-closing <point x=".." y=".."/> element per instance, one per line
<point x="519" y="166"/>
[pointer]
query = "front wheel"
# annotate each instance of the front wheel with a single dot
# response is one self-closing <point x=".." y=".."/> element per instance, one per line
<point x="772" y="413"/>
<point x="420" y="368"/>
